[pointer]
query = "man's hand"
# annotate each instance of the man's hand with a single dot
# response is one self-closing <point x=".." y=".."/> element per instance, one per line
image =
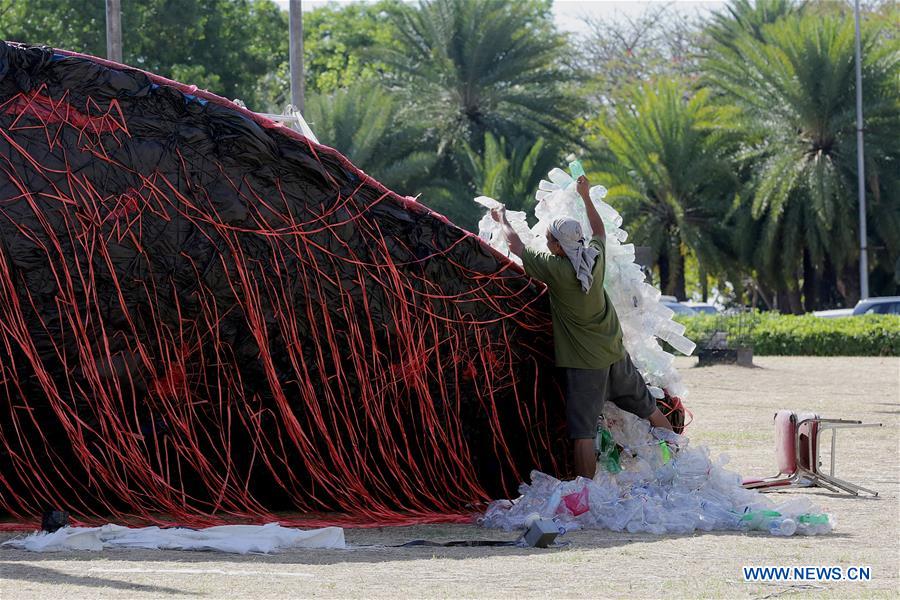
<point x="512" y="238"/>
<point x="583" y="186"/>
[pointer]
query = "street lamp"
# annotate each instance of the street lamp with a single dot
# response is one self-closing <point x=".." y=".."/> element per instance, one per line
<point x="295" y="19"/>
<point x="114" y="30"/>
<point x="863" y="258"/>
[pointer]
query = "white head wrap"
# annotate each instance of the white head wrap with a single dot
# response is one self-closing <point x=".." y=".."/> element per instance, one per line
<point x="568" y="233"/>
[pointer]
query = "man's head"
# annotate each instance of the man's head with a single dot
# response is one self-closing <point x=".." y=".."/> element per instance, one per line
<point x="564" y="239"/>
<point x="563" y="232"/>
<point x="553" y="245"/>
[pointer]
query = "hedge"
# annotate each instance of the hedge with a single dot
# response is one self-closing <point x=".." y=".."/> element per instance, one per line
<point x="773" y="334"/>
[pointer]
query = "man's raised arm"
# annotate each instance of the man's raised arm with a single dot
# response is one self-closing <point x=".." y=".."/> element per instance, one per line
<point x="512" y="238"/>
<point x="584" y="186"/>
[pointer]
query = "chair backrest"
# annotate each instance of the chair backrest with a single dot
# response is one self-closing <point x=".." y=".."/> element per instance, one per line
<point x="785" y="451"/>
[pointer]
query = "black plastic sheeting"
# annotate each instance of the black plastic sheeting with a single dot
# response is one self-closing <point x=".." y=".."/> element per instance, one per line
<point x="185" y="197"/>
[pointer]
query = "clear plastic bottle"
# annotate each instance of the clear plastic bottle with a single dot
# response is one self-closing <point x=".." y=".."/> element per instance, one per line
<point x="782" y="527"/>
<point x="758" y="520"/>
<point x="720" y="515"/>
<point x="814" y="524"/>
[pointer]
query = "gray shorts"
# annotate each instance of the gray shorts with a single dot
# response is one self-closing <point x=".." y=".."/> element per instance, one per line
<point x="588" y="389"/>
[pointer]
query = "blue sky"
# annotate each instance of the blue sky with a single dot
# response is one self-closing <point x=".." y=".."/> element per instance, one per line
<point x="570" y="14"/>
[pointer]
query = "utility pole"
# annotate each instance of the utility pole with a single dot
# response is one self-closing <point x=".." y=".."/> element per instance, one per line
<point x="296" y="54"/>
<point x="860" y="164"/>
<point x="114" y="30"/>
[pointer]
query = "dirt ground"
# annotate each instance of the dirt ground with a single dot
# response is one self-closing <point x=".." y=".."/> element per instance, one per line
<point x="732" y="408"/>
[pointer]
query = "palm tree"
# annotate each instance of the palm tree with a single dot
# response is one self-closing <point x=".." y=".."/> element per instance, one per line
<point x="369" y="126"/>
<point x="476" y="66"/>
<point x="384" y="137"/>
<point x="741" y="18"/>
<point x="509" y="172"/>
<point x="793" y="81"/>
<point x="668" y="172"/>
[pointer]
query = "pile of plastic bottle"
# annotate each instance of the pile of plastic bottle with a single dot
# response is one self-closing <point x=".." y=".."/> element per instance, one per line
<point x="648" y="480"/>
<point x="651" y="480"/>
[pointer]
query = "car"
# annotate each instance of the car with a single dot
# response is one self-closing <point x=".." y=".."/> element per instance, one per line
<point x="704" y="308"/>
<point x="879" y="305"/>
<point x="833" y="313"/>
<point x="679" y="308"/>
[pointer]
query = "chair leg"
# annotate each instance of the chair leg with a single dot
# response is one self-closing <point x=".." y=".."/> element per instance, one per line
<point x="846" y="485"/>
<point x="822" y="481"/>
<point x="813" y="447"/>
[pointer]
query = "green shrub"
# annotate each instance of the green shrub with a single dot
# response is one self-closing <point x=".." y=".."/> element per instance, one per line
<point x="806" y="335"/>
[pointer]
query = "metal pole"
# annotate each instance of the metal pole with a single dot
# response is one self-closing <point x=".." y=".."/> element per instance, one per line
<point x="114" y="30"/>
<point x="860" y="163"/>
<point x="296" y="54"/>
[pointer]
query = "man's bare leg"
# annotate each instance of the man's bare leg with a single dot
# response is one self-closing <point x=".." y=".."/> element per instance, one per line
<point x="657" y="419"/>
<point x="585" y="458"/>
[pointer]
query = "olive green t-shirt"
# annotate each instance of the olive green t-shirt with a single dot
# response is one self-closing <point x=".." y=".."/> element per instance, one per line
<point x="586" y="330"/>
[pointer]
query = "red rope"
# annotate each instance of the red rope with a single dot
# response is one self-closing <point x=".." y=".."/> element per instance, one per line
<point x="357" y="419"/>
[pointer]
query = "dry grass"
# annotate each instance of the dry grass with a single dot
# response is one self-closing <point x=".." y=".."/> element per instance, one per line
<point x="733" y="409"/>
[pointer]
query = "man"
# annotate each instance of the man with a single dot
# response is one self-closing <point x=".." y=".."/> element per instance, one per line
<point x="586" y="332"/>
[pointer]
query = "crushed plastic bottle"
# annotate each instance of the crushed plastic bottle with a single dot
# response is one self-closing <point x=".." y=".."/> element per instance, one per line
<point x="769" y="520"/>
<point x="665" y="452"/>
<point x="759" y="519"/>
<point x="814" y="524"/>
<point x="782" y="527"/>
<point x="607" y="452"/>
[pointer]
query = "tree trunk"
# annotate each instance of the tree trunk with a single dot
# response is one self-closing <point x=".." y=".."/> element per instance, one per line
<point x="768" y="297"/>
<point x="675" y="284"/>
<point x="680" y="285"/>
<point x="782" y="304"/>
<point x="788" y="302"/>
<point x="704" y="283"/>
<point x="794" y="301"/>
<point x="810" y="287"/>
<point x="848" y="284"/>
<point x="671" y="271"/>
<point x="827" y="288"/>
<point x="663" y="272"/>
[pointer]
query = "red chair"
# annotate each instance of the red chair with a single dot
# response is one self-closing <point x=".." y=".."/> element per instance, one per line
<point x="797" y="441"/>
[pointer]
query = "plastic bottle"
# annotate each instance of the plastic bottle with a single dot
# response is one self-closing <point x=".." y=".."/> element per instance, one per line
<point x="576" y="169"/>
<point x="719" y="515"/>
<point x="770" y="520"/>
<point x="550" y="507"/>
<point x="795" y="507"/>
<point x="692" y="469"/>
<point x="605" y="446"/>
<point x="758" y="520"/>
<point x="814" y="524"/>
<point x="666" y="453"/>
<point x="782" y="527"/>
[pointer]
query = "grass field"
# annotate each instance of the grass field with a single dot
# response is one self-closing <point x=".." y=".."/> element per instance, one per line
<point x="733" y="410"/>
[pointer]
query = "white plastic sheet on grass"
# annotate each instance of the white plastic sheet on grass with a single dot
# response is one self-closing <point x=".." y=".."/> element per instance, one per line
<point x="238" y="539"/>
